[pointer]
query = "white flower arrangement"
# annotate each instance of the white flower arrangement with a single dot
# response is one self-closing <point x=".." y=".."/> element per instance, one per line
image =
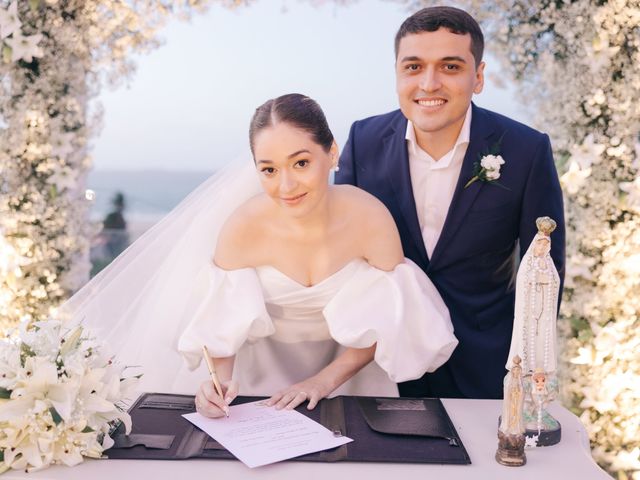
<point x="60" y="395"/>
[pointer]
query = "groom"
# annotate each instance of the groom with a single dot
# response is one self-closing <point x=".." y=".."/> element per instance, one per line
<point x="462" y="225"/>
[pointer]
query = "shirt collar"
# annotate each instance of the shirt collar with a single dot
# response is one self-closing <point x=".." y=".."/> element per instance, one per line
<point x="463" y="139"/>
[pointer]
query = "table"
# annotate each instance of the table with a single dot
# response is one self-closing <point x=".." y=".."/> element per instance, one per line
<point x="475" y="420"/>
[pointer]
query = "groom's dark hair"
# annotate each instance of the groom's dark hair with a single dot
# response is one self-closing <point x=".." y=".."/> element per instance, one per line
<point x="453" y="19"/>
<point x="297" y="110"/>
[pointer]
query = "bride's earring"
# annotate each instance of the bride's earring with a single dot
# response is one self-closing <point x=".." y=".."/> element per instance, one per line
<point x="336" y="167"/>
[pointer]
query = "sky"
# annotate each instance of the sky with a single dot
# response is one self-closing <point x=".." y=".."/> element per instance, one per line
<point x="189" y="104"/>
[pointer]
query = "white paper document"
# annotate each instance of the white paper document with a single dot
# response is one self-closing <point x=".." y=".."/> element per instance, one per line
<point x="259" y="435"/>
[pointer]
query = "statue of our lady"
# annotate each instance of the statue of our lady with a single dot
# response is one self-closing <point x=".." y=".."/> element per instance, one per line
<point x="534" y="334"/>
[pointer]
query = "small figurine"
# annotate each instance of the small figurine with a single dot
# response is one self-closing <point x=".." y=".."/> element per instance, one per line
<point x="534" y="334"/>
<point x="511" y="437"/>
<point x="540" y="389"/>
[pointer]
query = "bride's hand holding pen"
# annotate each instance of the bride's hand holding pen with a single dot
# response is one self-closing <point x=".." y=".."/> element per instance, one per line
<point x="213" y="398"/>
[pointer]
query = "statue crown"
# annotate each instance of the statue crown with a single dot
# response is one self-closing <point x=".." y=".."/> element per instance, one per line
<point x="546" y="225"/>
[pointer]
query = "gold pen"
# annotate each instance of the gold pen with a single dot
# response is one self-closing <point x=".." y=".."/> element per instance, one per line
<point x="214" y="376"/>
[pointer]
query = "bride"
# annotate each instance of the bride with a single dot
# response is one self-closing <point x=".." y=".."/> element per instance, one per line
<point x="307" y="285"/>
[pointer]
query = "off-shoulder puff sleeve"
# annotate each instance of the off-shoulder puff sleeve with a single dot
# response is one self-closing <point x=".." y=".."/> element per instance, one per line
<point x="232" y="312"/>
<point x="402" y="312"/>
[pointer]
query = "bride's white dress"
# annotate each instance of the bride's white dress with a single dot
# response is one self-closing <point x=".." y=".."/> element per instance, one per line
<point x="163" y="298"/>
<point x="283" y="332"/>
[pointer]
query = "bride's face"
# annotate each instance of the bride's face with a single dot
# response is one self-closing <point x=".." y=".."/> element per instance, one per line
<point x="293" y="168"/>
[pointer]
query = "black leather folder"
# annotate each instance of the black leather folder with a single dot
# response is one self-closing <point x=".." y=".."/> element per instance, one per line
<point x="403" y="430"/>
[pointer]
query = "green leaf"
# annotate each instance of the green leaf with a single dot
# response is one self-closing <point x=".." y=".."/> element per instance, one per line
<point x="25" y="351"/>
<point x="88" y="429"/>
<point x="1" y="455"/>
<point x="57" y="419"/>
<point x="34" y="4"/>
<point x="579" y="324"/>
<point x="6" y="53"/>
<point x="4" y="393"/>
<point x="16" y="235"/>
<point x="473" y="179"/>
<point x="585" y="335"/>
<point x="53" y="192"/>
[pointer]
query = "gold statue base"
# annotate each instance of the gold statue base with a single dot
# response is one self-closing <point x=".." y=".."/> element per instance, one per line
<point x="511" y="450"/>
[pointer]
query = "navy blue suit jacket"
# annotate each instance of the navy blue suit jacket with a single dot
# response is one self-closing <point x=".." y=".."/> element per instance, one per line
<point x="474" y="263"/>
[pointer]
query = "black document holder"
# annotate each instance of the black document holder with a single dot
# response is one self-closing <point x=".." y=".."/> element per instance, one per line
<point x="402" y="430"/>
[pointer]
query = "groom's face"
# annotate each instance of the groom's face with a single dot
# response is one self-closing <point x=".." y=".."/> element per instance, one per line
<point x="436" y="76"/>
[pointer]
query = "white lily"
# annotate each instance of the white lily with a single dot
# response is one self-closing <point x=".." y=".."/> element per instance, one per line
<point x="9" y="21"/>
<point x="70" y="341"/>
<point x="15" y="409"/>
<point x="62" y="398"/>
<point x="632" y="191"/>
<point x="43" y="338"/>
<point x="9" y="364"/>
<point x="24" y="48"/>
<point x="573" y="178"/>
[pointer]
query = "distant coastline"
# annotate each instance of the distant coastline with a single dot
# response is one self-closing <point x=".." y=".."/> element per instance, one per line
<point x="149" y="194"/>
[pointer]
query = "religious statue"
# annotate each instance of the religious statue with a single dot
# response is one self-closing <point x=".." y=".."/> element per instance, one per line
<point x="511" y="437"/>
<point x="534" y="334"/>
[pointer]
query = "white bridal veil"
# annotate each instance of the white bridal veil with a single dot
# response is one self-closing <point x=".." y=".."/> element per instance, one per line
<point x="141" y="303"/>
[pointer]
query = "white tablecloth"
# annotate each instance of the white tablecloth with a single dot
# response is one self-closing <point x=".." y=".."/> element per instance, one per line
<point x="476" y="421"/>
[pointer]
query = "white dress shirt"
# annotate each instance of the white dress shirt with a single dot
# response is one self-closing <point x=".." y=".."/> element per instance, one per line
<point x="434" y="181"/>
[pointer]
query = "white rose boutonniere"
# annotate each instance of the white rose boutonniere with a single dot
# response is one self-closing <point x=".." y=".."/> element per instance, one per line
<point x="487" y="168"/>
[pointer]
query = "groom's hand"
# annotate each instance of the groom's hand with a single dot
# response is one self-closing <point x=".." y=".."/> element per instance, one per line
<point x="210" y="404"/>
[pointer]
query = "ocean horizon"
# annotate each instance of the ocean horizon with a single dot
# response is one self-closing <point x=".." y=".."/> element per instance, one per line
<point x="148" y="194"/>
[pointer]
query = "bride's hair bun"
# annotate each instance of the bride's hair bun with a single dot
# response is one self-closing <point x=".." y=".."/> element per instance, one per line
<point x="297" y="110"/>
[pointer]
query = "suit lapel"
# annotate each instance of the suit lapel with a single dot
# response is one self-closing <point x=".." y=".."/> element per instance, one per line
<point x="481" y="130"/>
<point x="395" y="152"/>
